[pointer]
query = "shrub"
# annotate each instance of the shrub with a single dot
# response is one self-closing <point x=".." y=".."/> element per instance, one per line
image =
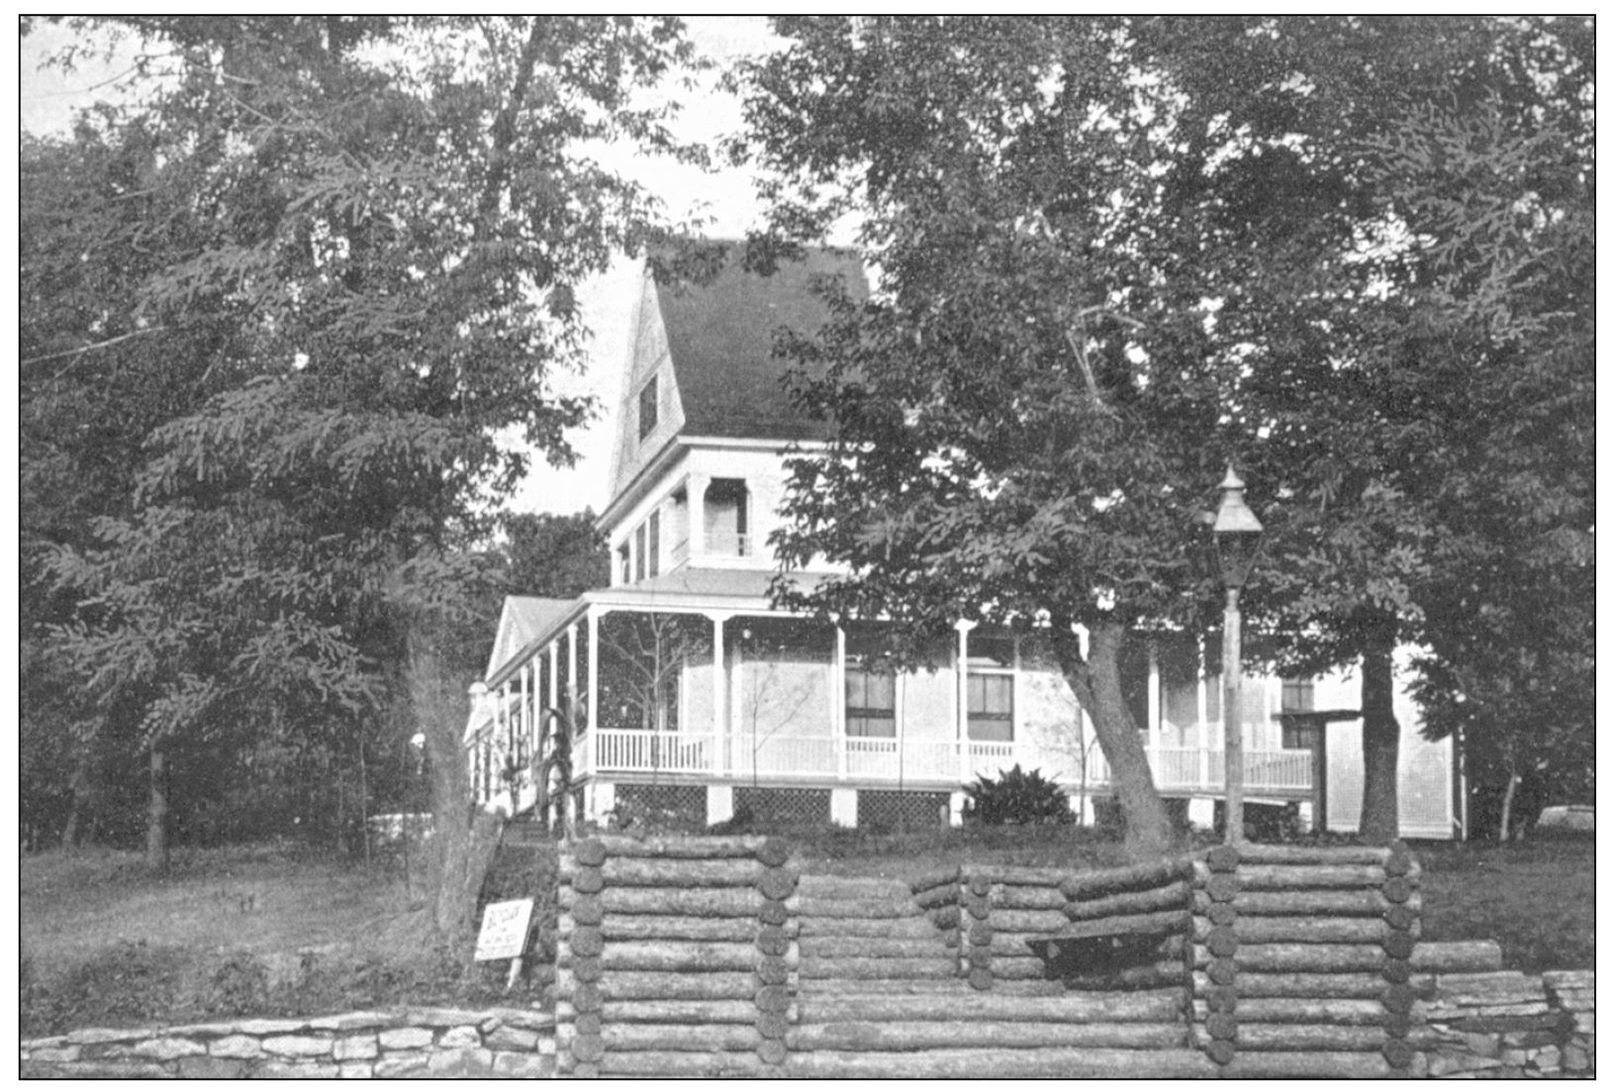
<point x="1017" y="797"/>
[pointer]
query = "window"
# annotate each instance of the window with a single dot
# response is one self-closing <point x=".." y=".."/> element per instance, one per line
<point x="1297" y="698"/>
<point x="1297" y="695"/>
<point x="870" y="702"/>
<point x="990" y="706"/>
<point x="648" y="407"/>
<point x="653" y="546"/>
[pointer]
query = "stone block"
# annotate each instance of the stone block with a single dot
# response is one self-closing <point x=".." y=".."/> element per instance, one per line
<point x="293" y="1070"/>
<point x="206" y="1066"/>
<point x="168" y="1047"/>
<point x="510" y="1064"/>
<point x="111" y="1071"/>
<point x="468" y="1062"/>
<point x="1482" y="1043"/>
<point x="441" y="1018"/>
<point x="461" y="1036"/>
<point x="351" y="1022"/>
<point x="66" y="1054"/>
<point x="235" y="1047"/>
<point x="401" y="1066"/>
<point x="354" y="1047"/>
<point x="506" y="1038"/>
<point x="269" y="1027"/>
<point x="108" y="1036"/>
<point x="1548" y="1055"/>
<point x="401" y="1038"/>
<point x="1575" y="1058"/>
<point x="354" y="1070"/>
<point x="299" y="1047"/>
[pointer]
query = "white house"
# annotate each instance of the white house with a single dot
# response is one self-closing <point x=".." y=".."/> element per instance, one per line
<point x="679" y="686"/>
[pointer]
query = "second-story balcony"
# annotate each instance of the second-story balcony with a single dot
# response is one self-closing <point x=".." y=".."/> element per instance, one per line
<point x="722" y="543"/>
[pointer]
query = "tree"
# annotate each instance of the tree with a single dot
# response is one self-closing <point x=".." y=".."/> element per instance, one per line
<point x="1114" y="253"/>
<point x="374" y="253"/>
<point x="555" y="555"/>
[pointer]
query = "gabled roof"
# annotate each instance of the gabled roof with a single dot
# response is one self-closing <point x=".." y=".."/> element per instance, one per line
<point x="721" y="338"/>
<point x="522" y="620"/>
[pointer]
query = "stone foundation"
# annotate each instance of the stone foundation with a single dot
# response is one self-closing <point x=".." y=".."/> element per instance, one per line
<point x="493" y="1043"/>
<point x="1510" y="1025"/>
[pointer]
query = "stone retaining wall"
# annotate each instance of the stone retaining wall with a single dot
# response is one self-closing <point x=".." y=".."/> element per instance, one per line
<point x="1510" y="1025"/>
<point x="515" y="1043"/>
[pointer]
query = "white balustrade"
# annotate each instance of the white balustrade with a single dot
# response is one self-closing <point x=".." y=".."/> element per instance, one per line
<point x="649" y="750"/>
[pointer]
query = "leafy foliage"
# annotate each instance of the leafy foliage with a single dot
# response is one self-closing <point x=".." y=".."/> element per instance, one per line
<point x="1017" y="797"/>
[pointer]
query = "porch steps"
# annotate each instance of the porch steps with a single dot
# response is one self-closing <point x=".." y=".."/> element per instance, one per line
<point x="880" y="994"/>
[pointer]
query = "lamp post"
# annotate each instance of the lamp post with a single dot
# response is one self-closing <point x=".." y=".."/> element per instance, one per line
<point x="1236" y="532"/>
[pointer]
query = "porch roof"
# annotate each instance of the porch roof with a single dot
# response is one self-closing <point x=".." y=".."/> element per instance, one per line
<point x="689" y="589"/>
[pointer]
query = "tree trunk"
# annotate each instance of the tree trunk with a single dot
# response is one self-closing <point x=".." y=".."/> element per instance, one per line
<point x="157" y="812"/>
<point x="1146" y="830"/>
<point x="463" y="840"/>
<point x="1378" y="819"/>
<point x="1504" y="807"/>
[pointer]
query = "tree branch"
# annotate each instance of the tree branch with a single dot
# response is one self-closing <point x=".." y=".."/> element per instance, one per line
<point x="88" y="348"/>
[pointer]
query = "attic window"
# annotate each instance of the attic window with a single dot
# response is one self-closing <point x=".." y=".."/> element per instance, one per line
<point x="648" y="407"/>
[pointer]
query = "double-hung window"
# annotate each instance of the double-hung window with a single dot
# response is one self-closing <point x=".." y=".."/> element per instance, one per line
<point x="870" y="688"/>
<point x="990" y="686"/>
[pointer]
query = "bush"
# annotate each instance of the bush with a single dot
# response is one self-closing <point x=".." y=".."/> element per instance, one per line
<point x="1017" y="797"/>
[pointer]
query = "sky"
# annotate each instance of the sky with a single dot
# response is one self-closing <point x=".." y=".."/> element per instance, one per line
<point x="48" y="99"/>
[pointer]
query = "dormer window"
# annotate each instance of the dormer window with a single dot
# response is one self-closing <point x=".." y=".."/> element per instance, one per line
<point x="648" y="407"/>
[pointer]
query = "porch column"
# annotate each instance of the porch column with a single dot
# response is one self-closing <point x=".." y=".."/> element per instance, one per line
<point x="593" y="620"/>
<point x="525" y="709"/>
<point x="1203" y="727"/>
<point x="725" y="759"/>
<point x="962" y="699"/>
<point x="572" y="697"/>
<point x="696" y="500"/>
<point x="1153" y="713"/>
<point x="839" y="676"/>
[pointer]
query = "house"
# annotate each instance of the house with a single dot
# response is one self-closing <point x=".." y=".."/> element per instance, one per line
<point x="678" y="687"/>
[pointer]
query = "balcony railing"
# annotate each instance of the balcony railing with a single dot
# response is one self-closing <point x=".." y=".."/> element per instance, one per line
<point x="883" y="759"/>
<point x="720" y="543"/>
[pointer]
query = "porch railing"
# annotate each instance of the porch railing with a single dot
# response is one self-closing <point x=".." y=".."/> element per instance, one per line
<point x="884" y="759"/>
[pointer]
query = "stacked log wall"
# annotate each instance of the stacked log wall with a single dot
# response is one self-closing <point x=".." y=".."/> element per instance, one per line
<point x="1147" y="906"/>
<point x="675" y="957"/>
<point x="1300" y="960"/>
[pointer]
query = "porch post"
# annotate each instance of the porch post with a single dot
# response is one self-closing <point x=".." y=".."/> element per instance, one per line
<point x="724" y="759"/>
<point x="572" y="696"/>
<point x="962" y="699"/>
<point x="1153" y="712"/>
<point x="1203" y="727"/>
<point x="696" y="501"/>
<point x="525" y="717"/>
<point x="839" y="724"/>
<point x="593" y="620"/>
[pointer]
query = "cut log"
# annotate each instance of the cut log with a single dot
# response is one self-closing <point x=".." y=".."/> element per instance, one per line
<point x="1298" y="928"/>
<point x="1320" y="902"/>
<point x="1156" y="1006"/>
<point x="773" y="941"/>
<point x="682" y="847"/>
<point x="705" y="1037"/>
<point x="1031" y="922"/>
<point x="909" y="1036"/>
<point x="1280" y="855"/>
<point x="1028" y="898"/>
<point x="584" y="910"/>
<point x="772" y="999"/>
<point x="1470" y="956"/>
<point x="1137" y="977"/>
<point x="981" y="932"/>
<point x="1301" y="1037"/>
<point x="681" y="873"/>
<point x="681" y="928"/>
<point x="1147" y="875"/>
<point x="776" y="912"/>
<point x="937" y="896"/>
<point x="773" y="971"/>
<point x="938" y="967"/>
<point x="1018" y="875"/>
<point x="1223" y="858"/>
<point x="586" y="941"/>
<point x="776" y="884"/>
<point x="703" y="903"/>
<point x="1157" y="922"/>
<point x="935" y="878"/>
<point x="842" y="990"/>
<point x="1019" y="968"/>
<point x="1300" y="957"/>
<point x="1057" y="1062"/>
<point x="874" y="948"/>
<point x="853" y="888"/>
<point x="1300" y="1011"/>
<point x="678" y="957"/>
<point x="1017" y="945"/>
<point x="684" y="1064"/>
<point x="828" y="908"/>
<point x="774" y="852"/>
<point x="915" y="927"/>
<point x="1175" y="895"/>
<point x="680" y="1012"/>
<point x="944" y="918"/>
<point x="1287" y="878"/>
<point x="1304" y="1064"/>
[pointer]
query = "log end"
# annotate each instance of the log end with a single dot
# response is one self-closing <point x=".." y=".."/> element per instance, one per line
<point x="590" y="852"/>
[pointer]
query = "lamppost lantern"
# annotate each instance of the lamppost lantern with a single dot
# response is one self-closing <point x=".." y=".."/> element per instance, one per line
<point x="1236" y="533"/>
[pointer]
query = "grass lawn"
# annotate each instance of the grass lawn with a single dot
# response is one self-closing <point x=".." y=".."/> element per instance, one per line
<point x="252" y="931"/>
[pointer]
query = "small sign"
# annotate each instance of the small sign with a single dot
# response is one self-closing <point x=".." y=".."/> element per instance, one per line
<point x="505" y="930"/>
